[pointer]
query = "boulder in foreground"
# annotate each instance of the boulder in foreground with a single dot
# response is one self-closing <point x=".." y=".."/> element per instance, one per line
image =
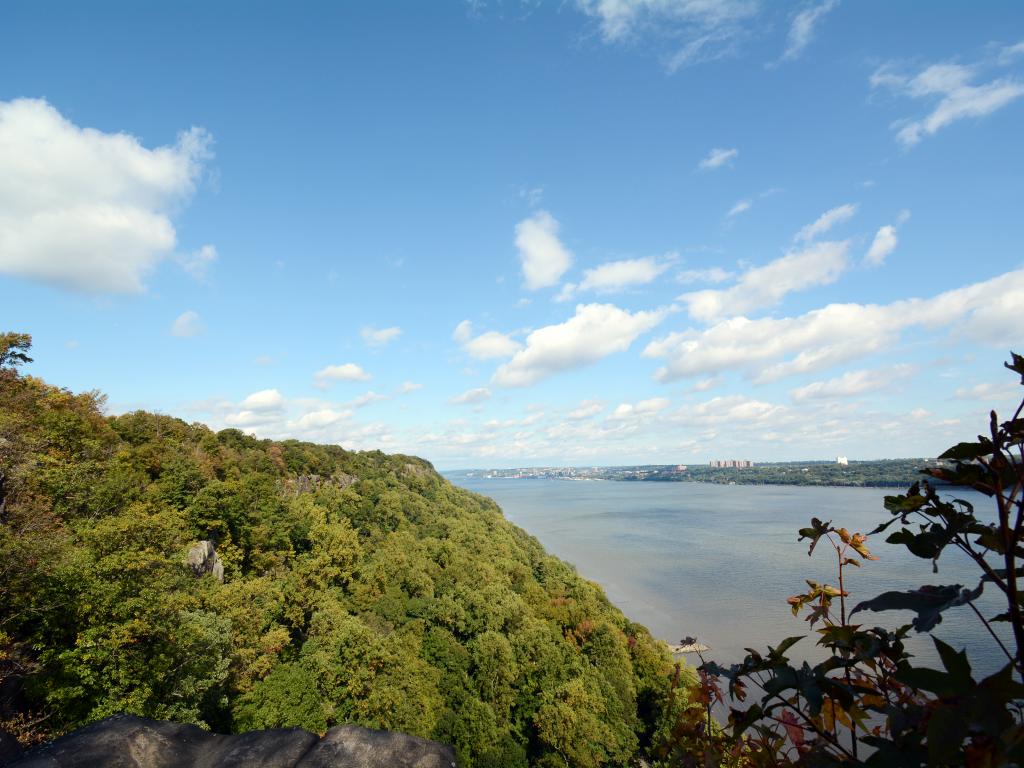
<point x="126" y="741"/>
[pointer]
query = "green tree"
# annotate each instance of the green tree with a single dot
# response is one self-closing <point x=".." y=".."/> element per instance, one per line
<point x="14" y="349"/>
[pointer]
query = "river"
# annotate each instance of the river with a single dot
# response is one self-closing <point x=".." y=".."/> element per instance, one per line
<point x="718" y="561"/>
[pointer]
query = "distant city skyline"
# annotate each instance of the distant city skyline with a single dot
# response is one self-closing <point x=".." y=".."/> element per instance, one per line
<point x="504" y="234"/>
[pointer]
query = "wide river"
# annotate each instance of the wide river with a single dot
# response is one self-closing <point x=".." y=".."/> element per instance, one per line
<point x="718" y="561"/>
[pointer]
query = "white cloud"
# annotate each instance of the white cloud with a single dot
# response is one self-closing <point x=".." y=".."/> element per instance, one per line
<point x="644" y="407"/>
<point x="264" y="400"/>
<point x="826" y="221"/>
<point x="801" y="31"/>
<point x="705" y="384"/>
<point x="1011" y="52"/>
<point x="957" y="98"/>
<point x="532" y="195"/>
<point x="463" y="332"/>
<point x="86" y="210"/>
<point x="567" y="293"/>
<point x="704" y="30"/>
<point x="344" y="372"/>
<point x="594" y="332"/>
<point x="471" y="396"/>
<point x="718" y="157"/>
<point x="853" y="383"/>
<point x="187" y="324"/>
<point x="543" y="257"/>
<point x="314" y="421"/>
<point x="247" y="420"/>
<point x="197" y="263"/>
<point x="619" y="18"/>
<point x="492" y="344"/>
<point x="818" y="264"/>
<point x="740" y="207"/>
<point x="486" y="346"/>
<point x="710" y="275"/>
<point x="771" y="348"/>
<point x="618" y="275"/>
<point x="409" y="386"/>
<point x="378" y="337"/>
<point x="367" y="399"/>
<point x="729" y="410"/>
<point x="885" y="241"/>
<point x="989" y="394"/>
<point x="585" y="410"/>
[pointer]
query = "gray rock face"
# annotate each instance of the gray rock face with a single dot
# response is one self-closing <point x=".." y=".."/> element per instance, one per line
<point x="203" y="559"/>
<point x="126" y="741"/>
<point x="9" y="748"/>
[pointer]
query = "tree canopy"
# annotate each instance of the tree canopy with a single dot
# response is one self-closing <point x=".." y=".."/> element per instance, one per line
<point x="358" y="588"/>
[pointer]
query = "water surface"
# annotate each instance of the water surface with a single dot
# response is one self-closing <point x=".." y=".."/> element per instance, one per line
<point x="718" y="561"/>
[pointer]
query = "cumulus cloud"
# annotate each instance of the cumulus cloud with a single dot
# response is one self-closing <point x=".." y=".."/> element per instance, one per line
<point x="463" y="332"/>
<point x="378" y="337"/>
<point x="885" y="242"/>
<point x="818" y="264"/>
<point x="264" y="400"/>
<point x="955" y="97"/>
<point x="409" y="386"/>
<point x="826" y="221"/>
<point x="492" y="344"/>
<point x="270" y="414"/>
<point x="853" y="383"/>
<point x="486" y="346"/>
<point x="543" y="257"/>
<point x="316" y="421"/>
<point x="471" y="396"/>
<point x="644" y="407"/>
<point x="327" y="376"/>
<point x="187" y="324"/>
<point x="85" y="210"/>
<point x="594" y="332"/>
<point x="259" y="409"/>
<point x="718" y="157"/>
<point x="802" y="29"/>
<point x="618" y="275"/>
<point x="249" y="420"/>
<point x="771" y="348"/>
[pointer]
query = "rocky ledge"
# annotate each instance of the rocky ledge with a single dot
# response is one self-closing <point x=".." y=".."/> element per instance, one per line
<point x="126" y="741"/>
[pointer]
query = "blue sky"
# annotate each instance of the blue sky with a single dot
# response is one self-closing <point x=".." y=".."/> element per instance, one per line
<point x="520" y="233"/>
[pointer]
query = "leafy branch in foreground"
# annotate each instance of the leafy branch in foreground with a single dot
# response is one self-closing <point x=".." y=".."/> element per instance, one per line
<point x="867" y="703"/>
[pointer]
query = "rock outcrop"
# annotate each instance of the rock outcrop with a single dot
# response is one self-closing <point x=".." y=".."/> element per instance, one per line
<point x="126" y="741"/>
<point x="203" y="559"/>
<point x="9" y="748"/>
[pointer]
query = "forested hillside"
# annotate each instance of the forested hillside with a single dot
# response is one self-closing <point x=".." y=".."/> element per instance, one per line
<point x="357" y="587"/>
